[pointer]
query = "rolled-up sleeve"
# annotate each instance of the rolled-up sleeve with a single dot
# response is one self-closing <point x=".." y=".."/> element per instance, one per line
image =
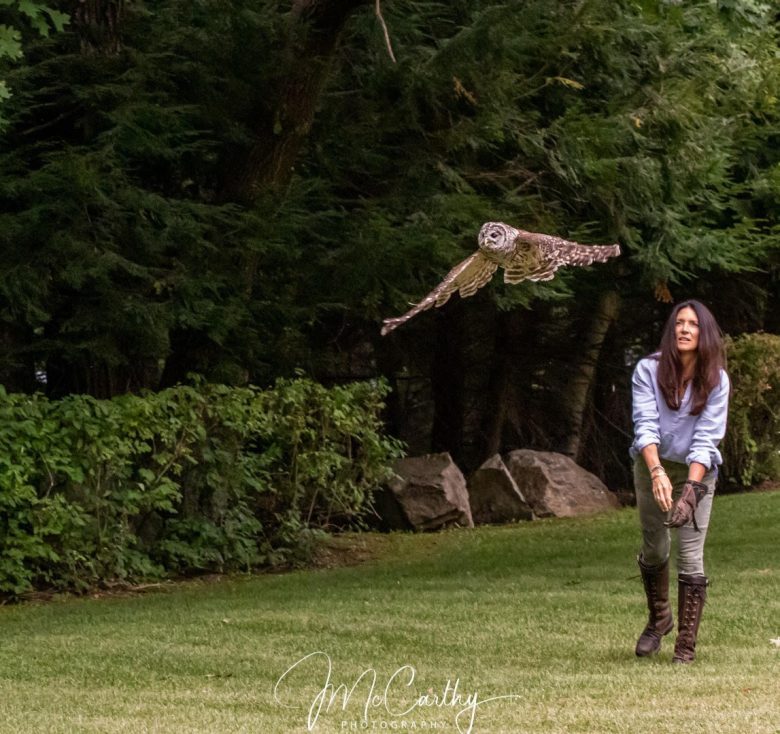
<point x="645" y="407"/>
<point x="711" y="426"/>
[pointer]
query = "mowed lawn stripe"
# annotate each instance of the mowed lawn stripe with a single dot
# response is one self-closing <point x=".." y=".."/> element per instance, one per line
<point x="545" y="611"/>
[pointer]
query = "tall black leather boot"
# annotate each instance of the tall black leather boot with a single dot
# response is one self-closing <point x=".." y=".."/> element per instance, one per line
<point x="660" y="622"/>
<point x="692" y="591"/>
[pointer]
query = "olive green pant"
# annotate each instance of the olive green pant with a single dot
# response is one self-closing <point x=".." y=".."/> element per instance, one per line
<point x="656" y="538"/>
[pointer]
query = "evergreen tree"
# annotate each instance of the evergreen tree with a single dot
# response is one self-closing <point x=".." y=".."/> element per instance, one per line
<point x="241" y="189"/>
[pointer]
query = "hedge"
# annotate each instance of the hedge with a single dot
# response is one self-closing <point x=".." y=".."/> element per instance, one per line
<point x="189" y="479"/>
<point x="751" y="449"/>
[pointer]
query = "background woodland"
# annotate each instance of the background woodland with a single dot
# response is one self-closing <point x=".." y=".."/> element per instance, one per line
<point x="241" y="190"/>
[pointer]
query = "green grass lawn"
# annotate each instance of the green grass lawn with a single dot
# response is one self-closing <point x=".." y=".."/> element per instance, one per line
<point x="547" y="612"/>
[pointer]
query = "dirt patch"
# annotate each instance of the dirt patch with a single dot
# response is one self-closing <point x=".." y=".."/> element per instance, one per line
<point x="118" y="589"/>
<point x="351" y="549"/>
<point x="768" y="485"/>
<point x="345" y="549"/>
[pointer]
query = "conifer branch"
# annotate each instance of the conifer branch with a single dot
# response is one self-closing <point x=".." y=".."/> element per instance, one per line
<point x="384" y="30"/>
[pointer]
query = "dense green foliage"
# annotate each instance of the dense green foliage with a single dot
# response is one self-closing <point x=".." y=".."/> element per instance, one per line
<point x="752" y="444"/>
<point x="645" y="123"/>
<point x="139" y="244"/>
<point x="186" y="479"/>
<point x="16" y="15"/>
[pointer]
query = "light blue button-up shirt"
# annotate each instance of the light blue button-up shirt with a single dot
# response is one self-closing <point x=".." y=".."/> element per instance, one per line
<point x="680" y="436"/>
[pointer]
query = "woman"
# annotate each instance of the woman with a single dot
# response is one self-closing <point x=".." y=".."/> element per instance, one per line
<point x="680" y="403"/>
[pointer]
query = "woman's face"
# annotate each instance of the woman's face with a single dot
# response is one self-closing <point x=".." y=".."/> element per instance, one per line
<point x="686" y="330"/>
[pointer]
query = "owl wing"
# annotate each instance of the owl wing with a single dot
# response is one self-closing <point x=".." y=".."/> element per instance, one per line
<point x="466" y="277"/>
<point x="519" y="270"/>
<point x="558" y="252"/>
<point x="549" y="254"/>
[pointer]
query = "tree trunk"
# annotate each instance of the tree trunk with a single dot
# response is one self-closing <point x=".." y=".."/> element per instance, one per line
<point x="606" y="314"/>
<point x="17" y="365"/>
<point x="314" y="32"/>
<point x="448" y="381"/>
<point x="266" y="166"/>
<point x="501" y="395"/>
<point x="98" y="24"/>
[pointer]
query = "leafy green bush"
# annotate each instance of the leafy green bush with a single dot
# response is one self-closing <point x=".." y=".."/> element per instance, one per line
<point x="187" y="479"/>
<point x="752" y="444"/>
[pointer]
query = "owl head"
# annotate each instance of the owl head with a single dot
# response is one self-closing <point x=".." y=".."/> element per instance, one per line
<point x="496" y="237"/>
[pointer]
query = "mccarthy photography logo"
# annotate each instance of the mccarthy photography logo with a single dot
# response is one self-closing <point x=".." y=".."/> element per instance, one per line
<point x="365" y="702"/>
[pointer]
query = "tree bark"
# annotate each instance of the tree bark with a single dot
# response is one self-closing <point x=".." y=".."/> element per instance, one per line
<point x="98" y="24"/>
<point x="448" y="382"/>
<point x="606" y="314"/>
<point x="315" y="29"/>
<point x="507" y="355"/>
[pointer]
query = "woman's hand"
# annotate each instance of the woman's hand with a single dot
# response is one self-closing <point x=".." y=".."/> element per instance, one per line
<point x="662" y="490"/>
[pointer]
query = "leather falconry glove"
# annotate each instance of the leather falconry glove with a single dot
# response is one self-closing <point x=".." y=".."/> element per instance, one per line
<point x="685" y="507"/>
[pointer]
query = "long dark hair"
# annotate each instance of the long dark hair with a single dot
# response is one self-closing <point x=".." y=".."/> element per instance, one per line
<point x="710" y="359"/>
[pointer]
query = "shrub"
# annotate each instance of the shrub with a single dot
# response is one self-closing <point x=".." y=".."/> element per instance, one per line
<point x="188" y="479"/>
<point x="752" y="444"/>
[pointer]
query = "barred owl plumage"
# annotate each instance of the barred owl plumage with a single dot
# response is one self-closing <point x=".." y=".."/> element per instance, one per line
<point x="523" y="255"/>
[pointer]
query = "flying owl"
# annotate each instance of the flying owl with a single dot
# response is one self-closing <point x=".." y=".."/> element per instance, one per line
<point x="523" y="255"/>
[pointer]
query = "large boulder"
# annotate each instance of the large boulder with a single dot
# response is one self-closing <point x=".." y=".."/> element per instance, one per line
<point x="494" y="495"/>
<point x="555" y="486"/>
<point x="430" y="492"/>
